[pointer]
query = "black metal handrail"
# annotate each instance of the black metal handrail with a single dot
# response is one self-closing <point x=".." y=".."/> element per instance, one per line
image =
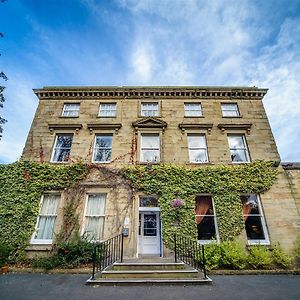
<point x="190" y="252"/>
<point x="107" y="252"/>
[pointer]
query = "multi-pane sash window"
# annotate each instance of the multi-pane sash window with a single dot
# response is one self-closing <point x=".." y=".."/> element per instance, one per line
<point x="192" y="109"/>
<point x="107" y="109"/>
<point x="255" y="224"/>
<point x="205" y="218"/>
<point x="149" y="109"/>
<point x="197" y="148"/>
<point x="71" y="110"/>
<point x="62" y="147"/>
<point x="150" y="148"/>
<point x="94" y="216"/>
<point x="46" y="219"/>
<point x="238" y="148"/>
<point x="102" y="148"/>
<point x="230" y="110"/>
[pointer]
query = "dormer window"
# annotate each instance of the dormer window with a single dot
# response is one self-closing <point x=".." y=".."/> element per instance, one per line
<point x="71" y="110"/>
<point x="149" y="109"/>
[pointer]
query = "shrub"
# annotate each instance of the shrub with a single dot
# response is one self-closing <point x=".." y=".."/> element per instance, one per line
<point x="75" y="253"/>
<point x="280" y="258"/>
<point x="4" y="253"/>
<point x="212" y="256"/>
<point x="233" y="255"/>
<point x="47" y="263"/>
<point x="67" y="255"/>
<point x="259" y="257"/>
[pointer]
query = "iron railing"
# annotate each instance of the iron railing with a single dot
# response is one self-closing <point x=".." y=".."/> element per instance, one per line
<point x="107" y="252"/>
<point x="190" y="252"/>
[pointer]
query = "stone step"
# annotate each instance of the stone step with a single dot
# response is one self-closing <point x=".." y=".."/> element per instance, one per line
<point x="191" y="273"/>
<point x="149" y="266"/>
<point x="150" y="281"/>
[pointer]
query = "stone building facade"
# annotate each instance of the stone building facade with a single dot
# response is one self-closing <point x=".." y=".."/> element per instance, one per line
<point x="190" y="126"/>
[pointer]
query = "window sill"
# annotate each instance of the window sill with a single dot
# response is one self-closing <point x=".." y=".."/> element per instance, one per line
<point x="194" y="117"/>
<point x="149" y="163"/>
<point x="240" y="162"/>
<point x="68" y="117"/>
<point x="205" y="242"/>
<point x="258" y="243"/>
<point x="235" y="117"/>
<point x="101" y="162"/>
<point x="200" y="163"/>
<point x="106" y="117"/>
<point x="158" y="116"/>
<point x="38" y="247"/>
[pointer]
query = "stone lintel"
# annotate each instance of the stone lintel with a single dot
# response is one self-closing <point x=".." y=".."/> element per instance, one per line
<point x="234" y="126"/>
<point x="57" y="126"/>
<point x="187" y="126"/>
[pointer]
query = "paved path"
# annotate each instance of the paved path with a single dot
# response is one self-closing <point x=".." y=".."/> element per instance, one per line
<point x="254" y="287"/>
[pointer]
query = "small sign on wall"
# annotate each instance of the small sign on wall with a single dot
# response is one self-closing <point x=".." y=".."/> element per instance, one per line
<point x="125" y="231"/>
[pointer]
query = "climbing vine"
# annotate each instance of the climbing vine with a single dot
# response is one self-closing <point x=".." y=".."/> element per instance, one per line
<point x="224" y="183"/>
<point x="21" y="186"/>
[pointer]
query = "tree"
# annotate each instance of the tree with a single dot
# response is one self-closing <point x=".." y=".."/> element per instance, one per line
<point x="2" y="99"/>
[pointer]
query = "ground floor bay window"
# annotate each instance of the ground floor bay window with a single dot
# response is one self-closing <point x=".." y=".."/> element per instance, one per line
<point x="255" y="224"/>
<point x="205" y="219"/>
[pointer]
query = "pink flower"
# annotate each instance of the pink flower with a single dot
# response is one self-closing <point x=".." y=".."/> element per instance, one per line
<point x="176" y="203"/>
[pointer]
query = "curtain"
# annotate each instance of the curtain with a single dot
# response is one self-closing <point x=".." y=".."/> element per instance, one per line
<point x="96" y="205"/>
<point x="201" y="208"/>
<point x="94" y="227"/>
<point x="246" y="209"/>
<point x="47" y="217"/>
<point x="94" y="218"/>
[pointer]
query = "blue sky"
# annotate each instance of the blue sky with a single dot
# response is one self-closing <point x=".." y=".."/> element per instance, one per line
<point x="151" y="42"/>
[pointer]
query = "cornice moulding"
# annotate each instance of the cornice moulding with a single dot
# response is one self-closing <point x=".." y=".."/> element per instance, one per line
<point x="173" y="92"/>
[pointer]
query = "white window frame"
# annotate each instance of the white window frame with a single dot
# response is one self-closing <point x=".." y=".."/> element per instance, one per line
<point x="104" y="112"/>
<point x="83" y="232"/>
<point x="245" y="148"/>
<point x="265" y="241"/>
<point x="189" y="112"/>
<point x="197" y="148"/>
<point x="141" y="147"/>
<point x="102" y="148"/>
<point x="67" y="112"/>
<point x="44" y="241"/>
<point x="55" y="147"/>
<point x="145" y="110"/>
<point x="225" y="109"/>
<point x="204" y="242"/>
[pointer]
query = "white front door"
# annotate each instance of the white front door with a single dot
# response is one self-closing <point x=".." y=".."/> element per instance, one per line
<point x="149" y="233"/>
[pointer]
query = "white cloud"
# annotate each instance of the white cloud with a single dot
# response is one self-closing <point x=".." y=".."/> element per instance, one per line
<point x="170" y="42"/>
<point x="142" y="61"/>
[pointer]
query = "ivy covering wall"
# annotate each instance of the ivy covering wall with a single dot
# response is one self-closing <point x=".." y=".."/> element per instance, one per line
<point x="224" y="183"/>
<point x="22" y="184"/>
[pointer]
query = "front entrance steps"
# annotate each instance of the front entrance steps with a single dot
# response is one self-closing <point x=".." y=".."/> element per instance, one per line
<point x="149" y="271"/>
